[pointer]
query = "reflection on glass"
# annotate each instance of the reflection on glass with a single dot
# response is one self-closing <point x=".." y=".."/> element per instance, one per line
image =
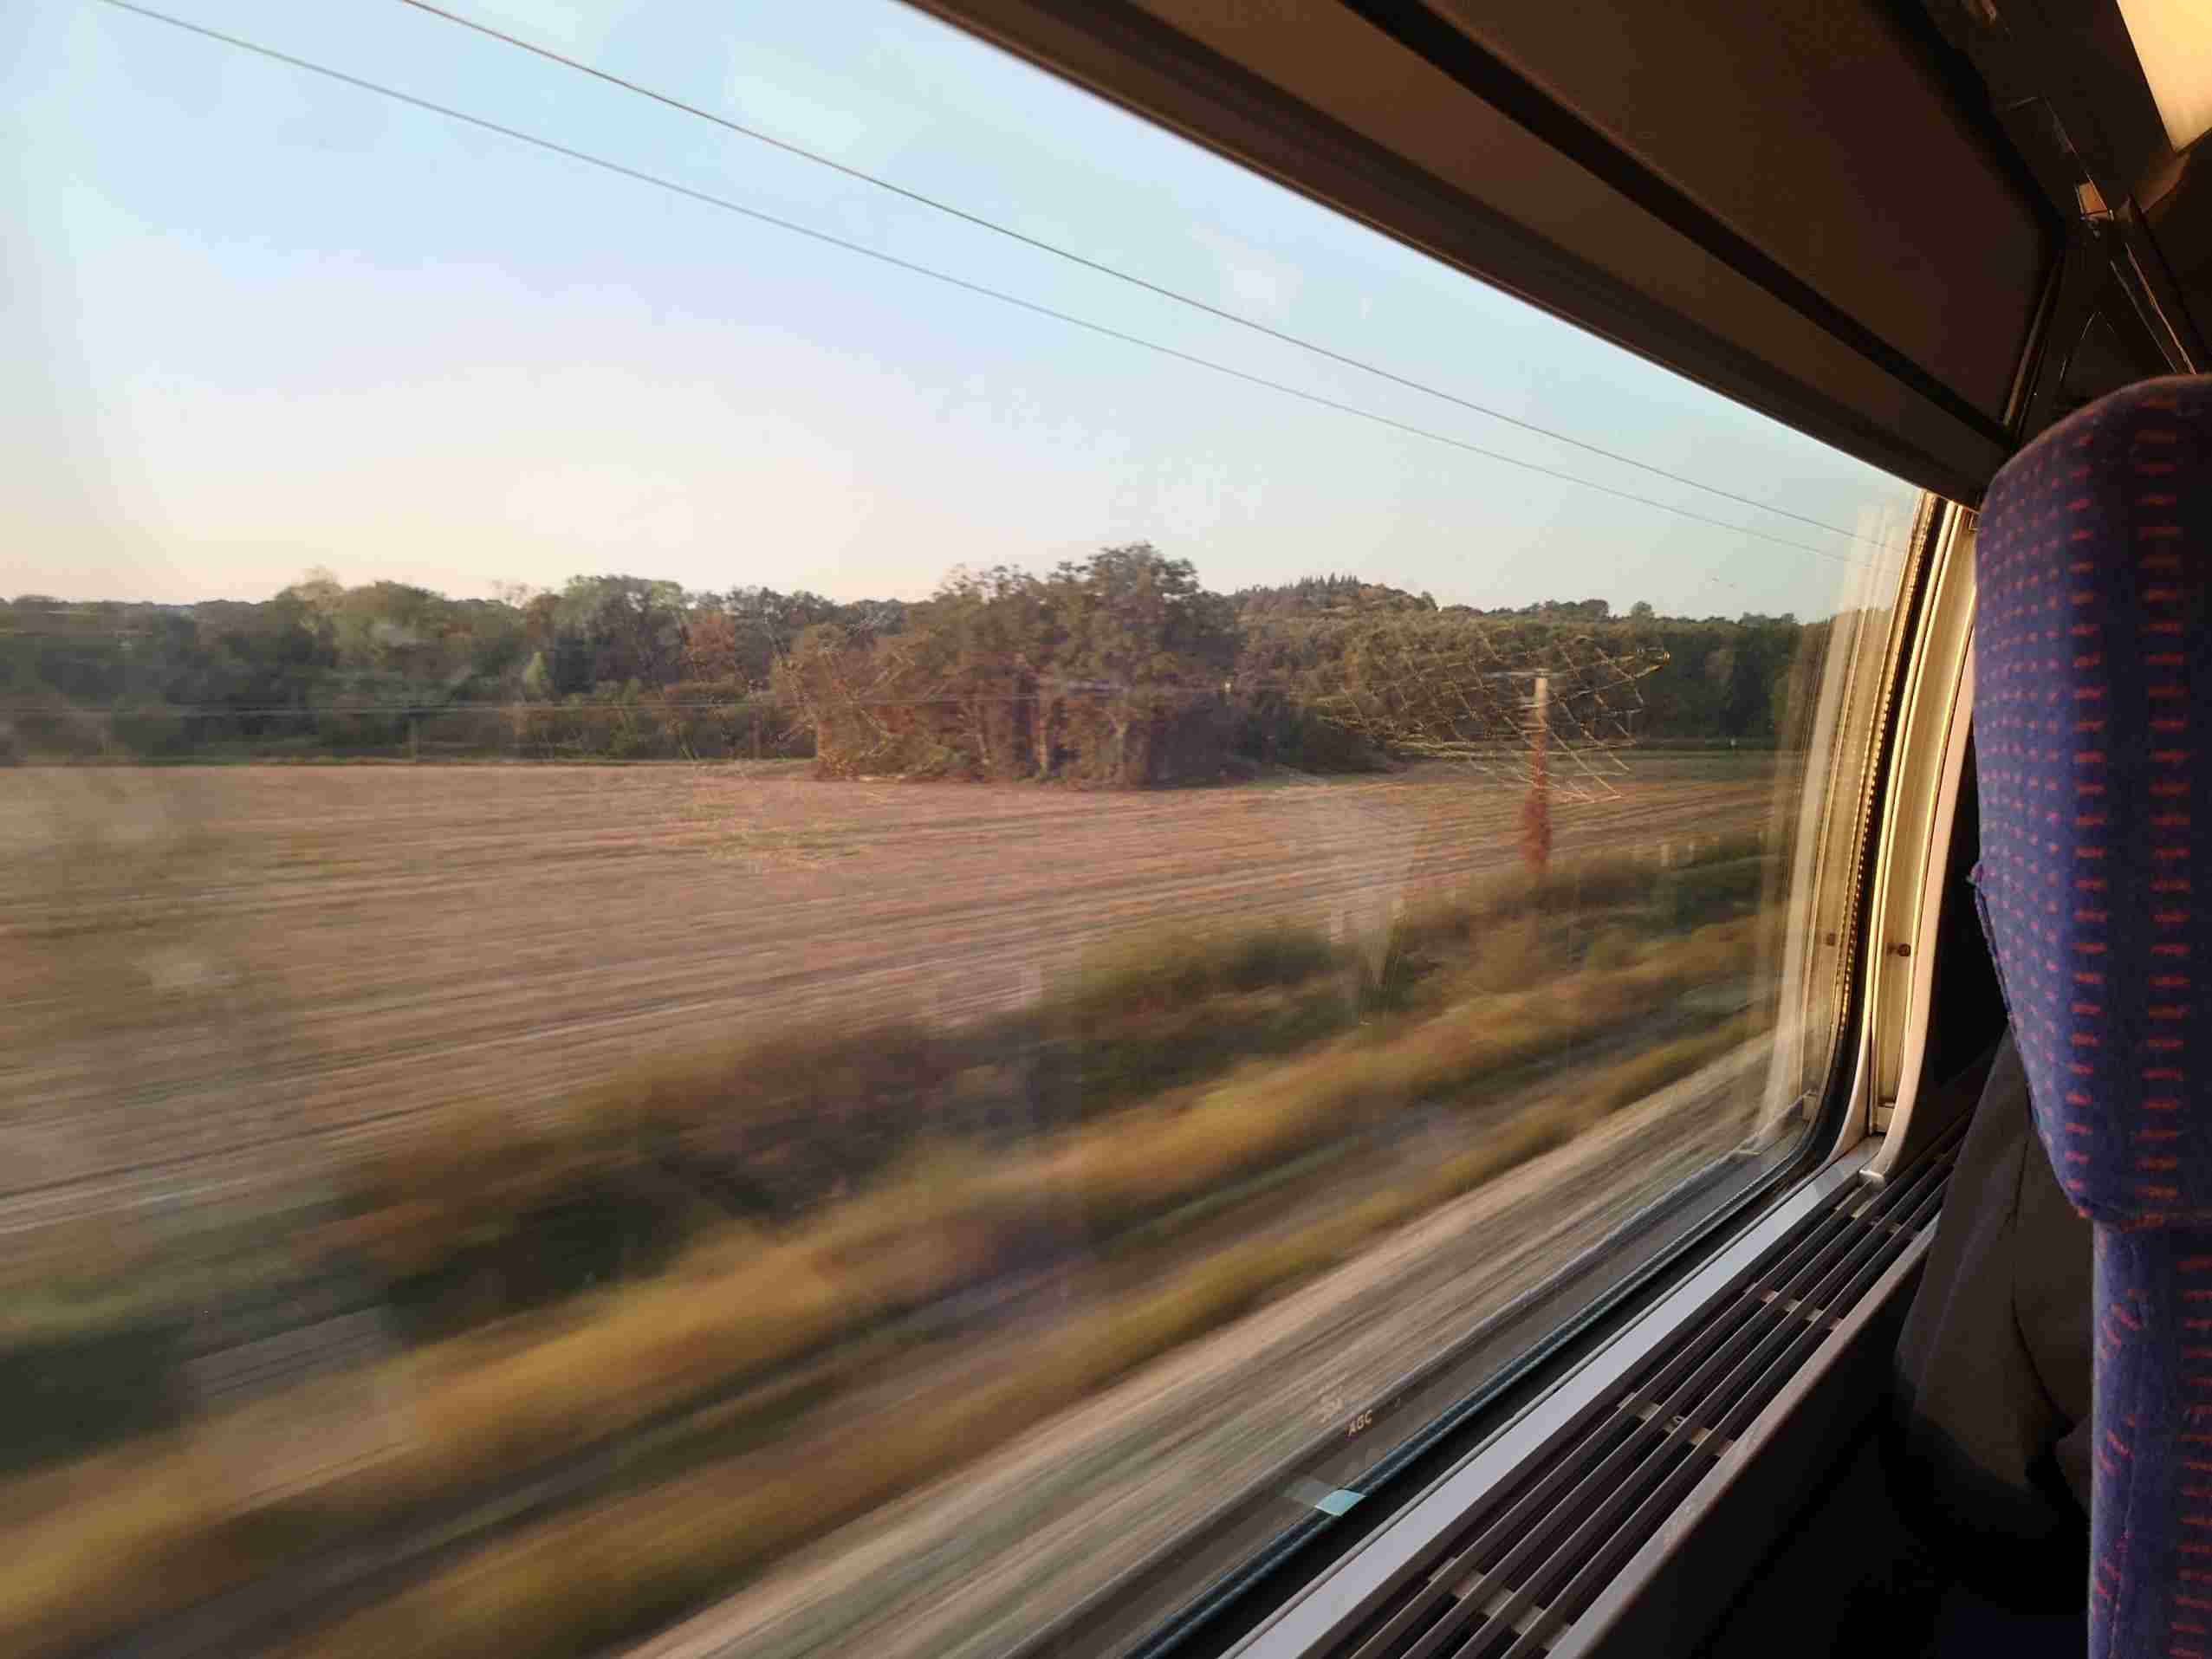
<point x="977" y="1020"/>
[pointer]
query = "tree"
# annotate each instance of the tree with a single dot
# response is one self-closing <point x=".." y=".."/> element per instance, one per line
<point x="1119" y="668"/>
<point x="537" y="676"/>
<point x="629" y="628"/>
<point x="710" y="646"/>
<point x="1113" y="669"/>
<point x="1145" y="647"/>
<point x="322" y="595"/>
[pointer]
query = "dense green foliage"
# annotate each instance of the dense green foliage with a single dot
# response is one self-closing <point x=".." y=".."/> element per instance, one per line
<point x="615" y="666"/>
<point x="1114" y="669"/>
<point x="1118" y="669"/>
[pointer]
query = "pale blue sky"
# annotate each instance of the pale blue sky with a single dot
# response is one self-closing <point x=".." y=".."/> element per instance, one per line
<point x="254" y="320"/>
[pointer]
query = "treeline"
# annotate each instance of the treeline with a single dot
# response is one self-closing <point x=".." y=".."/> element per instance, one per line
<point x="1309" y="649"/>
<point x="1117" y="668"/>
<point x="615" y="666"/>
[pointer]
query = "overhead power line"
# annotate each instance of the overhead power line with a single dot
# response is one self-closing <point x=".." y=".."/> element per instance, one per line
<point x="708" y="199"/>
<point x="983" y="222"/>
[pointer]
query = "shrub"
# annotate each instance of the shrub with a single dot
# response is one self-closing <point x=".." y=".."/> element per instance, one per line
<point x="738" y="1302"/>
<point x="1171" y="968"/>
<point x="1514" y="955"/>
<point x="1709" y="889"/>
<point x="497" y="1214"/>
<point x="1610" y="948"/>
<point x="64" y="1396"/>
<point x="582" y="1582"/>
<point x="1639" y="1078"/>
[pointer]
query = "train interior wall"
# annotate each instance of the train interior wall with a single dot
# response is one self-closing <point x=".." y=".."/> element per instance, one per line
<point x="1870" y="1543"/>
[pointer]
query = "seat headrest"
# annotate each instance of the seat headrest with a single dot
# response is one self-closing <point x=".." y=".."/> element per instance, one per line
<point x="2093" y="723"/>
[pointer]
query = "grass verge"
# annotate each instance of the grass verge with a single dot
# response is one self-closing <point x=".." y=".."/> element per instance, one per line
<point x="483" y="1407"/>
<point x="583" y="1582"/>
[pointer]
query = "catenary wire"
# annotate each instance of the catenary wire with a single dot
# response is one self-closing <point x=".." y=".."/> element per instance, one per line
<point x="707" y="199"/>
<point x="984" y="223"/>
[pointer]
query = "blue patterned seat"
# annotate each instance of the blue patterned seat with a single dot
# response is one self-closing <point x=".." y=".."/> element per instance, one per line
<point x="2094" y="732"/>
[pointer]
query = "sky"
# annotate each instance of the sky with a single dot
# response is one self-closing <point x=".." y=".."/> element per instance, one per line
<point x="254" y="320"/>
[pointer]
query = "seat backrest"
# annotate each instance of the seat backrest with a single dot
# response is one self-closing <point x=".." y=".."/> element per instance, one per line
<point x="2092" y="731"/>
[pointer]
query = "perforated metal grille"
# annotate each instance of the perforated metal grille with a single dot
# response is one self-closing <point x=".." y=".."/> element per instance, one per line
<point x="1512" y="1577"/>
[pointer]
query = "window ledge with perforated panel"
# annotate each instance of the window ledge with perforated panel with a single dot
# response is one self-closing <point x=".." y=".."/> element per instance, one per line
<point x="1605" y="1518"/>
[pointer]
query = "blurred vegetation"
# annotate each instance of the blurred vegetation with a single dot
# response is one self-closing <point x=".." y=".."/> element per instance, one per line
<point x="702" y="1248"/>
<point x="574" y="1584"/>
<point x="1118" y="669"/>
<point x="649" y="1557"/>
<point x="504" y="1211"/>
<point x="767" y="1129"/>
<point x="688" y="1245"/>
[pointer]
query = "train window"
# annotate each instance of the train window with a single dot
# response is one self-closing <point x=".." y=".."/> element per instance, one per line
<point x="809" y="844"/>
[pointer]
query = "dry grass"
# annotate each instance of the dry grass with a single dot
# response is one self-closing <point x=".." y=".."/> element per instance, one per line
<point x="1139" y="1162"/>
<point x="585" y="1581"/>
<point x="157" y="920"/>
<point x="742" y="1301"/>
<point x="770" y="1128"/>
<point x="476" y="1408"/>
<point x="1183" y="965"/>
<point x="403" y="940"/>
<point x="1645" y="1075"/>
<point x="577" y="1583"/>
<point x="256" y="972"/>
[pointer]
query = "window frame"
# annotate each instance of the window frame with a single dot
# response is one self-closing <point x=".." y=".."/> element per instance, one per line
<point x="1314" y="1618"/>
<point x="1901" y="826"/>
<point x="1560" y="217"/>
<point x="1874" y="872"/>
<point x="1913" y="853"/>
<point x="1152" y="58"/>
<point x="1275" y="1603"/>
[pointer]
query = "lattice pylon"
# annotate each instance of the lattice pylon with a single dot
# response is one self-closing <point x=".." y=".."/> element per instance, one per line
<point x="1552" y="716"/>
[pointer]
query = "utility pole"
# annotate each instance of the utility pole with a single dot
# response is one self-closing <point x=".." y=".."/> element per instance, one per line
<point x="1536" y="810"/>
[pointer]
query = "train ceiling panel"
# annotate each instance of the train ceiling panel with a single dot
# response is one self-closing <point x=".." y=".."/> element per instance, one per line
<point x="1401" y="116"/>
<point x="1826" y="210"/>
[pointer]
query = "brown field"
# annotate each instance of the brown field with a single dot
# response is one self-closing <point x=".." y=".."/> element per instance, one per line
<point x="218" y="976"/>
<point x="243" y="987"/>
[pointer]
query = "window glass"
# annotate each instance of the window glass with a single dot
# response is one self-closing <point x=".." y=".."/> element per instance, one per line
<point x="826" y="850"/>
